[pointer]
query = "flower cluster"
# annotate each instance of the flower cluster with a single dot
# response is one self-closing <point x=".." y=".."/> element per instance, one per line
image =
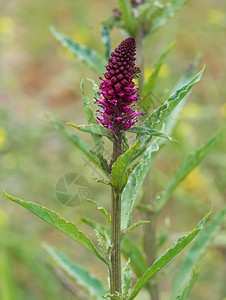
<point x="117" y="89"/>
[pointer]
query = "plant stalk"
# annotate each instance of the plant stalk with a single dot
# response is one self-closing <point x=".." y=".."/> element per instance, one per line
<point x="115" y="278"/>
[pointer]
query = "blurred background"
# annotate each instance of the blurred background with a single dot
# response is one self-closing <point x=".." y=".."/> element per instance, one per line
<point x="39" y="77"/>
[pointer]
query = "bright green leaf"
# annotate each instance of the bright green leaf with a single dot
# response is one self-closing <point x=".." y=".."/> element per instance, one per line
<point x="134" y="184"/>
<point x="192" y="161"/>
<point x="162" y="112"/>
<point x="84" y="54"/>
<point x="167" y="256"/>
<point x="61" y="224"/>
<point x="197" y="250"/>
<point x="135" y="225"/>
<point x="119" y="168"/>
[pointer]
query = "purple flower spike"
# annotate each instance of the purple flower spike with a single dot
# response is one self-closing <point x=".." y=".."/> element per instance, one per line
<point x="117" y="89"/>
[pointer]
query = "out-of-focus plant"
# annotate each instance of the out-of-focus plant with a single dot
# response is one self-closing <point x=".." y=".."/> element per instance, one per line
<point x="119" y="109"/>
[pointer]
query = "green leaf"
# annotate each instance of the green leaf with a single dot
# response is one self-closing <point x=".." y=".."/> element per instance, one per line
<point x="81" y="145"/>
<point x="95" y="129"/>
<point x="83" y="53"/>
<point x="128" y="17"/>
<point x="137" y="260"/>
<point x="135" y="225"/>
<point x="196" y="252"/>
<point x="189" y="285"/>
<point x="126" y="280"/>
<point x="167" y="256"/>
<point x="102" y="210"/>
<point x="162" y="112"/>
<point x="119" y="168"/>
<point x="134" y="184"/>
<point x="165" y="14"/>
<point x="192" y="161"/>
<point x="61" y="224"/>
<point x="83" y="278"/>
<point x="149" y="84"/>
<point x="97" y="139"/>
<point x="106" y="39"/>
<point x="154" y="132"/>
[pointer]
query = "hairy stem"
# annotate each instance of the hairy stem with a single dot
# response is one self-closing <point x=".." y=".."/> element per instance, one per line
<point x="115" y="281"/>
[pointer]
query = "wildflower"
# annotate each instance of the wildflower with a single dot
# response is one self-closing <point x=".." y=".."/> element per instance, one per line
<point x="117" y="89"/>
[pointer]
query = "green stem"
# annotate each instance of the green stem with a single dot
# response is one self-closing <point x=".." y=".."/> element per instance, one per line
<point x="115" y="278"/>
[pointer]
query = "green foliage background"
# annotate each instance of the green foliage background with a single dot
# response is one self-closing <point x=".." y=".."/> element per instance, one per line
<point x="38" y="76"/>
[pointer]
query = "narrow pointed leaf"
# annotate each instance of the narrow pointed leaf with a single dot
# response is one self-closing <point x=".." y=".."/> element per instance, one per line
<point x="167" y="256"/>
<point x="83" y="278"/>
<point x="189" y="285"/>
<point x="95" y="129"/>
<point x="119" y="168"/>
<point x="80" y="144"/>
<point x="192" y="161"/>
<point x="128" y="17"/>
<point x="197" y="250"/>
<point x="61" y="224"/>
<point x="165" y="14"/>
<point x="154" y="132"/>
<point x="162" y="112"/>
<point x="134" y="184"/>
<point x="149" y="84"/>
<point x="102" y="210"/>
<point x="135" y="225"/>
<point x="83" y="53"/>
<point x="106" y="39"/>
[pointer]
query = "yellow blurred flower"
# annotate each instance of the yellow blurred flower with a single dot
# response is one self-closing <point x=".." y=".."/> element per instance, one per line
<point x="215" y="16"/>
<point x="223" y="113"/>
<point x="81" y="35"/>
<point x="190" y="110"/>
<point x="193" y="182"/>
<point x="6" y="25"/>
<point x="164" y="71"/>
<point x="148" y="72"/>
<point x="9" y="160"/>
<point x="2" y="137"/>
<point x="3" y="217"/>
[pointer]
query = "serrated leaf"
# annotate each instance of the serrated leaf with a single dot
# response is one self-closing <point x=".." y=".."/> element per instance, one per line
<point x="154" y="132"/>
<point x="189" y="285"/>
<point x="165" y="14"/>
<point x="192" y="161"/>
<point x="83" y="278"/>
<point x="128" y="17"/>
<point x="149" y="84"/>
<point x="134" y="184"/>
<point x="102" y="210"/>
<point x="135" y="225"/>
<point x="167" y="256"/>
<point x="80" y="144"/>
<point x="162" y="112"/>
<point x="196" y="251"/>
<point x="94" y="129"/>
<point x="106" y="39"/>
<point x="83" y="53"/>
<point x="61" y="224"/>
<point x="119" y="168"/>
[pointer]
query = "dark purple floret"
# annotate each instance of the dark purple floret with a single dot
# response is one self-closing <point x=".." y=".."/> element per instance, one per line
<point x="117" y="89"/>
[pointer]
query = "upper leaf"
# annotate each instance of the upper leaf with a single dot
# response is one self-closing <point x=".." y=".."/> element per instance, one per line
<point x="192" y="161"/>
<point x="168" y="255"/>
<point x="162" y="112"/>
<point x="128" y="17"/>
<point x="61" y="224"/>
<point x="83" y="53"/>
